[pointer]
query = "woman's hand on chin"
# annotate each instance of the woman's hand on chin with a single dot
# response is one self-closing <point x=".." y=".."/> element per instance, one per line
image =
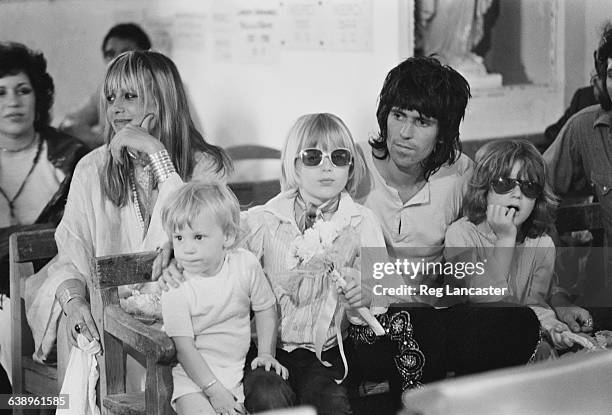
<point x="78" y="312"/>
<point x="136" y="139"/>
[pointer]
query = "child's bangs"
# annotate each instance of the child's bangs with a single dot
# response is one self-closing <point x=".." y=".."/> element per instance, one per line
<point x="502" y="165"/>
<point x="507" y="155"/>
<point x="532" y="170"/>
<point x="185" y="213"/>
<point x="326" y="135"/>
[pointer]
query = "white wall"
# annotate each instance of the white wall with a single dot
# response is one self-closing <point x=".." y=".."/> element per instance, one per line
<point x="256" y="102"/>
<point x="236" y="102"/>
<point x="69" y="33"/>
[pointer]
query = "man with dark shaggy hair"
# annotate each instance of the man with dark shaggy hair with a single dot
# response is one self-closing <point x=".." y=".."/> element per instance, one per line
<point x="417" y="177"/>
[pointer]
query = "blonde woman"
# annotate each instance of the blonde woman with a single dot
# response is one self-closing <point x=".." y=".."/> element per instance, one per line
<point x="114" y="203"/>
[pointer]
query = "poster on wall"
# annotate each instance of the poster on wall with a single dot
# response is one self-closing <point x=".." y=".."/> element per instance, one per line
<point x="246" y="31"/>
<point x="189" y="31"/>
<point x="338" y="25"/>
<point x="302" y="24"/>
<point x="349" y="25"/>
<point x="256" y="26"/>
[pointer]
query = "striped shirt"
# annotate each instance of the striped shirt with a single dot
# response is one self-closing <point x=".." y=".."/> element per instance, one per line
<point x="270" y="230"/>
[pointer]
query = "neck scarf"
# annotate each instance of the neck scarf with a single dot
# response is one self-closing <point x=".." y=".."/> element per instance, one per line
<point x="306" y="213"/>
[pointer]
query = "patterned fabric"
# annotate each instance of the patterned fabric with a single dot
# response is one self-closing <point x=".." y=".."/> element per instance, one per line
<point x="270" y="231"/>
<point x="307" y="214"/>
<point x="409" y="359"/>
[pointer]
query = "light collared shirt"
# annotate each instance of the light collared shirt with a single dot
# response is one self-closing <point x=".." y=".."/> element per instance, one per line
<point x="271" y="229"/>
<point x="421" y="222"/>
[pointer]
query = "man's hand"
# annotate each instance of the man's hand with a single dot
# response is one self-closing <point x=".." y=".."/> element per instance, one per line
<point x="577" y="318"/>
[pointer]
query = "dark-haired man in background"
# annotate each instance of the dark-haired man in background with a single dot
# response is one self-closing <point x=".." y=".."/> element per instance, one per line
<point x="83" y="123"/>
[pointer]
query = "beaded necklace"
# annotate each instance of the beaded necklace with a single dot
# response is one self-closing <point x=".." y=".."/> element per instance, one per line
<point x="148" y="183"/>
<point x="11" y="201"/>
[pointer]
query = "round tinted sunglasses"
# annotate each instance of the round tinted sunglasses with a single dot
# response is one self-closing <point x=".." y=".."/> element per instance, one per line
<point x="313" y="157"/>
<point x="504" y="185"/>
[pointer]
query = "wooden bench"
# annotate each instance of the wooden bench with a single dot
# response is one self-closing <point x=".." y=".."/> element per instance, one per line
<point x="121" y="332"/>
<point x="253" y="192"/>
<point x="29" y="248"/>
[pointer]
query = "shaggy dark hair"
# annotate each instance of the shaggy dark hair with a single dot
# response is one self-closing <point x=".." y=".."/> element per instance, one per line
<point x="496" y="159"/>
<point x="128" y="31"/>
<point x="423" y="84"/>
<point x="16" y="58"/>
<point x="601" y="56"/>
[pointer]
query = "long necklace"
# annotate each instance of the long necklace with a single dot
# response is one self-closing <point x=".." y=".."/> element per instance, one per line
<point x="11" y="201"/>
<point x="147" y="185"/>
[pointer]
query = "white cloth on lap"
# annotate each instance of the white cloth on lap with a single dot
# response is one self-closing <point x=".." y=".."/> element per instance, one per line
<point x="5" y="341"/>
<point x="81" y="379"/>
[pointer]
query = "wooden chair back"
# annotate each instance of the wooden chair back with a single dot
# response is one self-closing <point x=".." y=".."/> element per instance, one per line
<point x="27" y="245"/>
<point x="250" y="152"/>
<point x="121" y="332"/>
<point x="253" y="192"/>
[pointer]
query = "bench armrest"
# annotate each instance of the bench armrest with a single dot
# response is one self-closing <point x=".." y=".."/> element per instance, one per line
<point x="140" y="337"/>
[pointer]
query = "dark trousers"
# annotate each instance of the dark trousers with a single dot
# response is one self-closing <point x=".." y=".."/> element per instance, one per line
<point x="602" y="317"/>
<point x="309" y="383"/>
<point x="462" y="339"/>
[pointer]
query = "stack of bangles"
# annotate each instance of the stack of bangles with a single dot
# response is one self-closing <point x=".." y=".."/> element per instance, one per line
<point x="162" y="165"/>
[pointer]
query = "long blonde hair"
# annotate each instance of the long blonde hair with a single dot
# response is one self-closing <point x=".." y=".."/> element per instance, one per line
<point x="156" y="78"/>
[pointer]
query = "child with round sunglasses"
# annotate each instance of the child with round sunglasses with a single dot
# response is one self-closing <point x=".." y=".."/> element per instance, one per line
<point x="509" y="210"/>
<point x="314" y="213"/>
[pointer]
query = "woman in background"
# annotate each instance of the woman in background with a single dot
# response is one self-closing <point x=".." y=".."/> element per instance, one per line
<point x="36" y="161"/>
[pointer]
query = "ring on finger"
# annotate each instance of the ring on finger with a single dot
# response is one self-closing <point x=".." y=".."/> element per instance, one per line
<point x="78" y="327"/>
<point x="588" y="322"/>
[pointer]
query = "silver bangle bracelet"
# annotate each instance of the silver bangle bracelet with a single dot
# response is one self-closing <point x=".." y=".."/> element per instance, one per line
<point x="162" y="165"/>
<point x="67" y="295"/>
<point x="208" y="385"/>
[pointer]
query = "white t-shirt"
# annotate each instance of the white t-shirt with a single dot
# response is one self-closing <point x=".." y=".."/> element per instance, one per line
<point x="215" y="312"/>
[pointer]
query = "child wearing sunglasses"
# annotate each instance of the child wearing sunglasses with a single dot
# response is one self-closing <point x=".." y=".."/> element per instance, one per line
<point x="508" y="214"/>
<point x="320" y="170"/>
